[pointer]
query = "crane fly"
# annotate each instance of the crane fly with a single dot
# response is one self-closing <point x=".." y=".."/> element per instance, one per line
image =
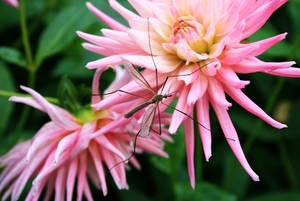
<point x="149" y="114"/>
<point x="153" y="103"/>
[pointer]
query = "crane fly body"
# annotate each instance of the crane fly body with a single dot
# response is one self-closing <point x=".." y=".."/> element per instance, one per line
<point x="149" y="115"/>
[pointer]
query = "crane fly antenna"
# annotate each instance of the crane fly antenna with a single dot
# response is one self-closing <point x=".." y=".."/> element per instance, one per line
<point x="151" y="53"/>
<point x="188" y="74"/>
<point x="149" y="115"/>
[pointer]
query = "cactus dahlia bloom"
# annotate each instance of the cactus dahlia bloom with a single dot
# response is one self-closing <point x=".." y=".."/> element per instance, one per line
<point x="69" y="149"/>
<point x="202" y="41"/>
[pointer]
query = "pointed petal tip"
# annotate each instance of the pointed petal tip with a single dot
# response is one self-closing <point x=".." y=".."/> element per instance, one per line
<point x="23" y="87"/>
<point x="280" y="126"/>
<point x="256" y="178"/>
<point x="193" y="185"/>
<point x="207" y="158"/>
<point x="79" y="33"/>
<point x="88" y="4"/>
<point x="11" y="99"/>
<point x="104" y="192"/>
<point x="90" y="65"/>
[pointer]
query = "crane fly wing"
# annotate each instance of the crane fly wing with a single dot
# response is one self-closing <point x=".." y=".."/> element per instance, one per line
<point x="136" y="75"/>
<point x="147" y="120"/>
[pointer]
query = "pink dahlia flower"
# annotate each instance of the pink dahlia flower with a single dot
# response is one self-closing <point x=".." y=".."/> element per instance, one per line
<point x="73" y="148"/>
<point x="13" y="3"/>
<point x="202" y="40"/>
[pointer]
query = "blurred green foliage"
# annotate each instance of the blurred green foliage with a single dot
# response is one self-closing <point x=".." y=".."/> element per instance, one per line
<point x="57" y="52"/>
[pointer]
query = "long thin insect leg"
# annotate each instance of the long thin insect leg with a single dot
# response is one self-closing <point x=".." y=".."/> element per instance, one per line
<point x="134" y="148"/>
<point x="159" y="120"/>
<point x="151" y="53"/>
<point x="185" y="115"/>
<point x="182" y="75"/>
<point x="126" y="92"/>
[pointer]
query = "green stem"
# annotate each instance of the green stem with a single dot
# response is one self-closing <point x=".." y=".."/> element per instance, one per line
<point x="25" y="37"/>
<point x="291" y="176"/>
<point x="30" y="67"/>
<point x="253" y="135"/>
<point x="9" y="94"/>
<point x="268" y="108"/>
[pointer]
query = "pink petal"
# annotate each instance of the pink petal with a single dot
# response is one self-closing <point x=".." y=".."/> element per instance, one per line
<point x="266" y="44"/>
<point x="203" y="118"/>
<point x="142" y="7"/>
<point x="99" y="168"/>
<point x="112" y="23"/>
<point x="216" y="92"/>
<point x="83" y="139"/>
<point x="232" y="139"/>
<point x="60" y="183"/>
<point x="122" y="37"/>
<point x="117" y="171"/>
<point x="181" y="105"/>
<point x="252" y="65"/>
<point x="164" y="64"/>
<point x="95" y="85"/>
<point x="95" y="49"/>
<point x="259" y="15"/>
<point x="105" y="143"/>
<point x="198" y="88"/>
<point x="229" y="77"/>
<point x="81" y="177"/>
<point x="234" y="56"/>
<point x="236" y="35"/>
<point x="141" y="38"/>
<point x="188" y="73"/>
<point x="13" y="3"/>
<point x="65" y="143"/>
<point x="125" y="13"/>
<point x="61" y="117"/>
<point x="287" y="72"/>
<point x="103" y="63"/>
<point x="49" y="132"/>
<point x="70" y="180"/>
<point x="188" y="125"/>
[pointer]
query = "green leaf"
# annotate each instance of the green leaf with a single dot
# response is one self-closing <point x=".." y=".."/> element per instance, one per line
<point x="282" y="196"/>
<point x="293" y="7"/>
<point x="264" y="84"/>
<point x="73" y="63"/>
<point x="176" y="151"/>
<point x="237" y="179"/>
<point x="202" y="192"/>
<point x="247" y="122"/>
<point x="68" y="95"/>
<point x="293" y="121"/>
<point x="12" y="56"/>
<point x="6" y="107"/>
<point x="133" y="194"/>
<point x="62" y="30"/>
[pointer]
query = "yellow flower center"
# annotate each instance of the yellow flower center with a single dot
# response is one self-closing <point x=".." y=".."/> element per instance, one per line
<point x="88" y="114"/>
<point x="188" y="40"/>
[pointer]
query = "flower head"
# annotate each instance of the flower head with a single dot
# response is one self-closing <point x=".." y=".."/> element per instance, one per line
<point x="73" y="148"/>
<point x="198" y="48"/>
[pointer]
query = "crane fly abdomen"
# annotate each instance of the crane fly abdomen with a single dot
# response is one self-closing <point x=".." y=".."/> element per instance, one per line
<point x="155" y="99"/>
